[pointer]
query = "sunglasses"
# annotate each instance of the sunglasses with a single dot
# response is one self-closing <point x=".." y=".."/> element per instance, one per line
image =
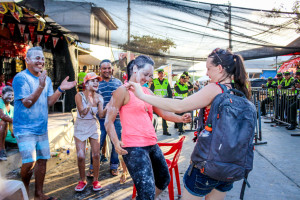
<point x="216" y="52"/>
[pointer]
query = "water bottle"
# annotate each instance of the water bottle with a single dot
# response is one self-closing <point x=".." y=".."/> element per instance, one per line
<point x="206" y="131"/>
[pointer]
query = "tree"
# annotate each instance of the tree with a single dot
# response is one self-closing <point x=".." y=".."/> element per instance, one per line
<point x="149" y="45"/>
<point x="296" y="10"/>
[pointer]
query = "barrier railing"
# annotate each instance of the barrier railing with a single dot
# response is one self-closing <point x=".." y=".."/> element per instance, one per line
<point x="279" y="105"/>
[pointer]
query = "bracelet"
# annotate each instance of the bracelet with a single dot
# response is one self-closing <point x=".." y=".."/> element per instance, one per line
<point x="41" y="87"/>
<point x="60" y="90"/>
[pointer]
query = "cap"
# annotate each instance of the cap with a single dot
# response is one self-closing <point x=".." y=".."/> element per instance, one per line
<point x="279" y="74"/>
<point x="160" y="70"/>
<point x="298" y="72"/>
<point x="287" y="73"/>
<point x="182" y="76"/>
<point x="90" y="76"/>
<point x="186" y="73"/>
<point x="270" y="78"/>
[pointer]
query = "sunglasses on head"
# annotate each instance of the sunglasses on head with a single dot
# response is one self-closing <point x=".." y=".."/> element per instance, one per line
<point x="216" y="52"/>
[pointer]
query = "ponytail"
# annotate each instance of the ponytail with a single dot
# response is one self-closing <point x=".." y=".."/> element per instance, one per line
<point x="241" y="82"/>
<point x="234" y="66"/>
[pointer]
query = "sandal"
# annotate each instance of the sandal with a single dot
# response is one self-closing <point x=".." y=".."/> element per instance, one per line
<point x="90" y="174"/>
<point x="123" y="177"/>
<point x="114" y="172"/>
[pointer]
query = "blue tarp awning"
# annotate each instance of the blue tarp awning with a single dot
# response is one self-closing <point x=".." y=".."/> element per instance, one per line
<point x="268" y="73"/>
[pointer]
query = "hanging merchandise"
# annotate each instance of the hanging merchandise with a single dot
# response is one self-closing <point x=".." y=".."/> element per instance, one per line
<point x="1" y="18"/>
<point x="41" y="26"/>
<point x="26" y="37"/>
<point x="31" y="30"/>
<point x="11" y="28"/>
<point x="39" y="38"/>
<point x="11" y="7"/>
<point x="54" y="40"/>
<point x="22" y="29"/>
<point x="46" y="38"/>
<point x="3" y="8"/>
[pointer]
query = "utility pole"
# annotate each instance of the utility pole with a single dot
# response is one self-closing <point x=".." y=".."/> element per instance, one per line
<point x="229" y="26"/>
<point x="128" y="22"/>
<point x="128" y="31"/>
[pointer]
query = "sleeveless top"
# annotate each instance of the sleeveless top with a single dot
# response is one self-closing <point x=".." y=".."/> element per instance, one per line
<point x="136" y="120"/>
<point x="93" y="111"/>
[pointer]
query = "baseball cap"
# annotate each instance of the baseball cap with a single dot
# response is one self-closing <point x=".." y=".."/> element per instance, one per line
<point x="182" y="76"/>
<point x="160" y="70"/>
<point x="90" y="76"/>
<point x="298" y="72"/>
<point x="287" y="73"/>
<point x="279" y="74"/>
<point x="270" y="78"/>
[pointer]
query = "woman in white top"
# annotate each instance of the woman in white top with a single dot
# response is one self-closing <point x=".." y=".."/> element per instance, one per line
<point x="88" y="104"/>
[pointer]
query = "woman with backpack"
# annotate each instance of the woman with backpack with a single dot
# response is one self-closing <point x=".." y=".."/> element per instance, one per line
<point x="143" y="157"/>
<point x="223" y="67"/>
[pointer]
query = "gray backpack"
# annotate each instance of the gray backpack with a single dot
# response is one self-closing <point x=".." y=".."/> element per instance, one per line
<point x="227" y="153"/>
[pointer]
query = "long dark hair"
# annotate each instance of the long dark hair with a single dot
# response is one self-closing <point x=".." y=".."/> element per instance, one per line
<point x="140" y="62"/>
<point x="234" y="66"/>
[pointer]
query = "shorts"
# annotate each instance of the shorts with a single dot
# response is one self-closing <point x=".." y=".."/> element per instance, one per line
<point x="200" y="185"/>
<point x="33" y="147"/>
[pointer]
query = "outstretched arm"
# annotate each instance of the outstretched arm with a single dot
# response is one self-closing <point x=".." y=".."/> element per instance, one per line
<point x="113" y="107"/>
<point x="65" y="85"/>
<point x="200" y="99"/>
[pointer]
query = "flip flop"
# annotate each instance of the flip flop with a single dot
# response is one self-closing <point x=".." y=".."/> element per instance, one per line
<point x="114" y="172"/>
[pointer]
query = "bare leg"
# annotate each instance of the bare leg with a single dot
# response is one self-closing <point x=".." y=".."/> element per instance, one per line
<point x="39" y="173"/>
<point x="157" y="192"/>
<point x="104" y="148"/>
<point x="188" y="196"/>
<point x="26" y="174"/>
<point x="215" y="195"/>
<point x="3" y="133"/>
<point x="80" y="148"/>
<point x="95" y="145"/>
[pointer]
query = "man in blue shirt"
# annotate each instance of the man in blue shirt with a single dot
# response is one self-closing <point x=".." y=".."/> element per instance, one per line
<point x="106" y="87"/>
<point x="33" y="94"/>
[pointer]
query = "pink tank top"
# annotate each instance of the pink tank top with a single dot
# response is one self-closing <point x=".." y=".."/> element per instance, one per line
<point x="136" y="119"/>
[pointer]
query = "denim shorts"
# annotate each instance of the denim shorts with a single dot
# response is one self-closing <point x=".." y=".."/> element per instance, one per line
<point x="200" y="185"/>
<point x="33" y="147"/>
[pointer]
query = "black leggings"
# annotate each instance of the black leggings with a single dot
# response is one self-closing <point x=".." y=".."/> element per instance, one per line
<point x="148" y="168"/>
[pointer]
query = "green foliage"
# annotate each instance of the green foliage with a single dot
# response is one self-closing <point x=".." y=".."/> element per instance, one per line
<point x="151" y="46"/>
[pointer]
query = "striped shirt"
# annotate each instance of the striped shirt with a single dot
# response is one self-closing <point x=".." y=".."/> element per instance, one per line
<point x="107" y="88"/>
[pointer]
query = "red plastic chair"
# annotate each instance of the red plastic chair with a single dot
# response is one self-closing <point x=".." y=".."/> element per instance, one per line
<point x="175" y="147"/>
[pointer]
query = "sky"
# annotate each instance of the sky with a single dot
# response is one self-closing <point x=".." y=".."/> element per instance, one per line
<point x="190" y="29"/>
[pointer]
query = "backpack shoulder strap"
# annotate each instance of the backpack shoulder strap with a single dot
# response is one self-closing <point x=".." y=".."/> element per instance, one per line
<point x="223" y="87"/>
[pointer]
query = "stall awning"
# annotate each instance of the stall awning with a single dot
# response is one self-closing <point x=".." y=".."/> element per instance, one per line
<point x="290" y="65"/>
<point x="88" y="60"/>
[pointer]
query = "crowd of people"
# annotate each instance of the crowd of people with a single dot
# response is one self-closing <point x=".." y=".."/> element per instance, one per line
<point x="124" y="112"/>
<point x="282" y="92"/>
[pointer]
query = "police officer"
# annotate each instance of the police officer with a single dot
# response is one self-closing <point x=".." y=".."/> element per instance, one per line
<point x="181" y="91"/>
<point x="286" y="94"/>
<point x="161" y="88"/>
<point x="270" y="85"/>
<point x="296" y="104"/>
<point x="81" y="76"/>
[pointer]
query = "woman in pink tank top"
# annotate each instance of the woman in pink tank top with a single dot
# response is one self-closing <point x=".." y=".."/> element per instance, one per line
<point x="143" y="157"/>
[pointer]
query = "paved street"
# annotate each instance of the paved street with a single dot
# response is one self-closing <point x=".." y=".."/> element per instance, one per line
<point x="276" y="173"/>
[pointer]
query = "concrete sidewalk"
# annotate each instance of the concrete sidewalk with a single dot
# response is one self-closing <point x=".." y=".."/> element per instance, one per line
<point x="276" y="173"/>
